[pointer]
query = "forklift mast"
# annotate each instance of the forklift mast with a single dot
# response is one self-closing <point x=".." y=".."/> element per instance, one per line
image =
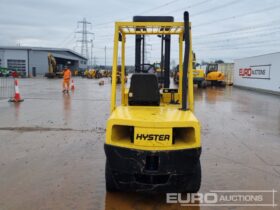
<point x="165" y="47"/>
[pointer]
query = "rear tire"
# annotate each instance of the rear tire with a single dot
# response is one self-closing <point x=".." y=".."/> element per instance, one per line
<point x="110" y="182"/>
<point x="195" y="182"/>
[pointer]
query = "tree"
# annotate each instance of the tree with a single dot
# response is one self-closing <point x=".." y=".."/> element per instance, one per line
<point x="219" y="61"/>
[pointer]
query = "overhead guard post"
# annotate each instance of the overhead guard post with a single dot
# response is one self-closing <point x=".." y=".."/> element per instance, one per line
<point x="186" y="61"/>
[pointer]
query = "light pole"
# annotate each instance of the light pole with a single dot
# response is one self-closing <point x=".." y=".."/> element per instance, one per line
<point x="105" y="57"/>
<point x="91" y="53"/>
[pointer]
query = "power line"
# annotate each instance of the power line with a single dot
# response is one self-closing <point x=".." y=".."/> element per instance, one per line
<point x="145" y="11"/>
<point x="275" y="41"/>
<point x="237" y="16"/>
<point x="244" y="46"/>
<point x="66" y="38"/>
<point x="207" y="23"/>
<point x="241" y="29"/>
<point x="158" y="7"/>
<point x="190" y="6"/>
<point x="179" y="9"/>
<point x="242" y="38"/>
<point x="215" y="8"/>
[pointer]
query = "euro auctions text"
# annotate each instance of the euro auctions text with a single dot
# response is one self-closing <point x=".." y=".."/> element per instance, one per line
<point x="225" y="198"/>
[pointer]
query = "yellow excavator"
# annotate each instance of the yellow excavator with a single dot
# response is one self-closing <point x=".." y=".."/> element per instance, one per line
<point x="53" y="71"/>
<point x="152" y="135"/>
<point x="213" y="76"/>
<point x="198" y="75"/>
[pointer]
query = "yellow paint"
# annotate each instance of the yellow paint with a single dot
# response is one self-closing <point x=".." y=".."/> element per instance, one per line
<point x="168" y="116"/>
<point x="123" y="70"/>
<point x="190" y="77"/>
<point x="198" y="73"/>
<point x="114" y="69"/>
<point x="215" y="76"/>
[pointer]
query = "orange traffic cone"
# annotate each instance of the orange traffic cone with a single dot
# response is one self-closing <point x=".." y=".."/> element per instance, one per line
<point x="72" y="85"/>
<point x="17" y="97"/>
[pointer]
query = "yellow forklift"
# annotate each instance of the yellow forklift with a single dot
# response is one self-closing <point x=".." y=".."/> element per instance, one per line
<point x="152" y="135"/>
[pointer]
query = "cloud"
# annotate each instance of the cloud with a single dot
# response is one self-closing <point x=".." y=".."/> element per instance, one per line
<point x="53" y="23"/>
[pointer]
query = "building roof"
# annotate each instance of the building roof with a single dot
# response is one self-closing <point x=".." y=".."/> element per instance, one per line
<point x="42" y="49"/>
<point x="258" y="56"/>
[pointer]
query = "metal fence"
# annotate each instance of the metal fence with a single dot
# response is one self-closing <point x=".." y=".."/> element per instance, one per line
<point x="7" y="88"/>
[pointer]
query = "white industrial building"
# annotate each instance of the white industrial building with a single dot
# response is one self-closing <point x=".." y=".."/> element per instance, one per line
<point x="259" y="72"/>
<point x="34" y="60"/>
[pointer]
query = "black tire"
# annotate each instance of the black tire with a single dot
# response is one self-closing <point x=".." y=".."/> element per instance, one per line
<point x="50" y="75"/>
<point x="110" y="182"/>
<point x="199" y="84"/>
<point x="223" y="84"/>
<point x="204" y="84"/>
<point x="195" y="182"/>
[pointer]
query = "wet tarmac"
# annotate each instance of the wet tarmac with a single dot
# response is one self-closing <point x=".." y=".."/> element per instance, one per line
<point x="51" y="147"/>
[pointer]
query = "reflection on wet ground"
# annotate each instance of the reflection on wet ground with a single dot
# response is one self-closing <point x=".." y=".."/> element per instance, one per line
<point x="142" y="201"/>
<point x="51" y="147"/>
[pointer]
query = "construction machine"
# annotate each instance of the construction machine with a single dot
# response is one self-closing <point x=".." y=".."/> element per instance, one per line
<point x="119" y="80"/>
<point x="198" y="75"/>
<point x="152" y="135"/>
<point x="213" y="76"/>
<point x="5" y="72"/>
<point x="159" y="71"/>
<point x="91" y="74"/>
<point x="86" y="73"/>
<point x="53" y="71"/>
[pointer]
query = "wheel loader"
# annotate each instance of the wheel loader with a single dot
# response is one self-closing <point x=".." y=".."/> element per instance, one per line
<point x="152" y="135"/>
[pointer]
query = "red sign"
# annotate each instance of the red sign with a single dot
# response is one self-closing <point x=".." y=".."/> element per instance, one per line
<point x="247" y="72"/>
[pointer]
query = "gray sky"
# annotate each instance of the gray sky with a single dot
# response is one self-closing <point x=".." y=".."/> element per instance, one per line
<point x="225" y="29"/>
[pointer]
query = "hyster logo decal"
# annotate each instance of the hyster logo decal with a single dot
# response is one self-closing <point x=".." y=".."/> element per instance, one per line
<point x="153" y="137"/>
<point x="255" y="72"/>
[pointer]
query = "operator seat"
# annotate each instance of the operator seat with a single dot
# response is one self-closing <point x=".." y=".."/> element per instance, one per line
<point x="144" y="90"/>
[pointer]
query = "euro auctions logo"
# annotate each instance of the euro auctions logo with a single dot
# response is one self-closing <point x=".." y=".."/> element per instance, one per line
<point x="226" y="198"/>
<point x="247" y="72"/>
<point x="255" y="72"/>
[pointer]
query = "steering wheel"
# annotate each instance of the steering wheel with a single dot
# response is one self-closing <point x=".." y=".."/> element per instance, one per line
<point x="146" y="70"/>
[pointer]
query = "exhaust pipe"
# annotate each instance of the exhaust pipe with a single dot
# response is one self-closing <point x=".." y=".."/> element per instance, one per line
<point x="186" y="61"/>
